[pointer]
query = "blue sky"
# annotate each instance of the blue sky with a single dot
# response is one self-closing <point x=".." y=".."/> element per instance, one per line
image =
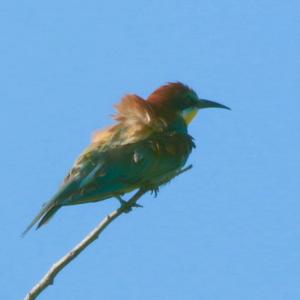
<point x="228" y="229"/>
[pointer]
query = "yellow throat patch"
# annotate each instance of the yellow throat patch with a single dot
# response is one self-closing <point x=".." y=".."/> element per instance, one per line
<point x="189" y="114"/>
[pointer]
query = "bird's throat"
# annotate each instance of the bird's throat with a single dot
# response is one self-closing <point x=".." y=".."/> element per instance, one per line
<point x="189" y="114"/>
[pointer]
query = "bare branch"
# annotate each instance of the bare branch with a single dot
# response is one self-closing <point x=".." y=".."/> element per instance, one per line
<point x="93" y="235"/>
<point x="49" y="277"/>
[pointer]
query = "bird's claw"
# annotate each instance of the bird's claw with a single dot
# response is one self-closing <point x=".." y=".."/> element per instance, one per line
<point x="154" y="191"/>
<point x="127" y="207"/>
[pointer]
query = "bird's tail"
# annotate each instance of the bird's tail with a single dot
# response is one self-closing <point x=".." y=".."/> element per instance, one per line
<point x="43" y="216"/>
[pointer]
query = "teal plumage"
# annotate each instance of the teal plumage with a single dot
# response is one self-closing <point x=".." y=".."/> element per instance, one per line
<point x="146" y="148"/>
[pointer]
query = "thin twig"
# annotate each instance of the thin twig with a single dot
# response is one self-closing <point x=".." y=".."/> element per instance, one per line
<point x="49" y="277"/>
<point x="93" y="235"/>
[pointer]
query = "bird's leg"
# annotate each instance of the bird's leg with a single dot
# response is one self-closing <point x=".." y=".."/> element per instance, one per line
<point x="124" y="204"/>
<point x="154" y="191"/>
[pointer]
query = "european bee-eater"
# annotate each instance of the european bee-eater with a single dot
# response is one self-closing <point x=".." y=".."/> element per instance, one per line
<point x="145" y="149"/>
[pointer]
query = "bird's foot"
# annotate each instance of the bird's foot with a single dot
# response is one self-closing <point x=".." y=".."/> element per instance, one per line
<point x="125" y="206"/>
<point x="154" y="191"/>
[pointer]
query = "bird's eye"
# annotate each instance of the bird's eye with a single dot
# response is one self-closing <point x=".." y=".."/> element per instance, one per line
<point x="189" y="101"/>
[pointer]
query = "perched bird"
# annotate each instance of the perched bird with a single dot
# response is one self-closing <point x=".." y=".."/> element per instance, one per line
<point x="147" y="147"/>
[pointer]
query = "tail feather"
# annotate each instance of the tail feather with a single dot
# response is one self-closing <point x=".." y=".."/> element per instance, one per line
<point x="50" y="208"/>
<point x="43" y="216"/>
<point x="48" y="215"/>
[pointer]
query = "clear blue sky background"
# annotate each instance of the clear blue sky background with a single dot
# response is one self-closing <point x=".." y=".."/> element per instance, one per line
<point x="228" y="229"/>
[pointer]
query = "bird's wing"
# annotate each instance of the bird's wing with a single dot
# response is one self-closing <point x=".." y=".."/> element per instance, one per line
<point x="127" y="167"/>
<point x="107" y="172"/>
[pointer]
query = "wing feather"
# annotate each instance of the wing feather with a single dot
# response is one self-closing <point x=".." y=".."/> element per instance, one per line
<point x="128" y="167"/>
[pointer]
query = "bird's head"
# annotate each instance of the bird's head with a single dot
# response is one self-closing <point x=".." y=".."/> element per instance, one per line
<point x="177" y="98"/>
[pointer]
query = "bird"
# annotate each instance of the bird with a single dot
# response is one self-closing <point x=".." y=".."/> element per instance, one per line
<point x="146" y="148"/>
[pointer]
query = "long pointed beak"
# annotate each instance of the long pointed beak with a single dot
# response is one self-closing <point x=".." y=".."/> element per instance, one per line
<point x="203" y="103"/>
